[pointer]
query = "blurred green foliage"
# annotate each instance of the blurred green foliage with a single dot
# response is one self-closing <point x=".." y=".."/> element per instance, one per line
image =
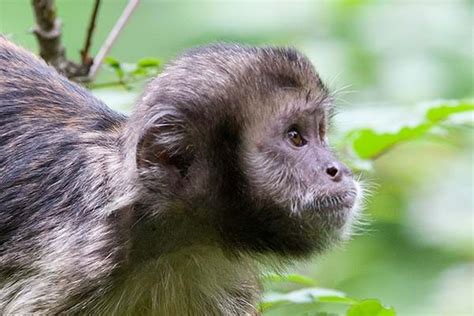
<point x="367" y="143"/>
<point x="129" y="73"/>
<point x="312" y="299"/>
<point x="381" y="59"/>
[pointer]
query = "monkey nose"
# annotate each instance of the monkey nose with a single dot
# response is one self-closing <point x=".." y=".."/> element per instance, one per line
<point x="336" y="171"/>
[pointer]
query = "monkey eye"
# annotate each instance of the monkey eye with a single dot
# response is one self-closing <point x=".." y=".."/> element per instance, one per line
<point x="295" y="137"/>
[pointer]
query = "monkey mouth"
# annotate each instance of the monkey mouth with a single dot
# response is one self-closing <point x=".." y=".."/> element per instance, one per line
<point x="335" y="202"/>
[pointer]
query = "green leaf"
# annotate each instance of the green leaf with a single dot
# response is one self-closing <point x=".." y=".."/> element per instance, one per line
<point x="337" y="300"/>
<point x="368" y="143"/>
<point x="314" y="300"/>
<point x="115" y="65"/>
<point x="263" y="306"/>
<point x="149" y="62"/>
<point x="140" y="72"/>
<point x="442" y="112"/>
<point x="370" y="308"/>
<point x="112" y="62"/>
<point x="305" y="295"/>
<point x="309" y="309"/>
<point x="295" y="278"/>
<point x="304" y="309"/>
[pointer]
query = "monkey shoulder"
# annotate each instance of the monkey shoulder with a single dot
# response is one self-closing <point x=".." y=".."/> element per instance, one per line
<point x="56" y="141"/>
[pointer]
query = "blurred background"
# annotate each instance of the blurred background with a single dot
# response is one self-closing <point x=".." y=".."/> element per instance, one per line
<point x="384" y="59"/>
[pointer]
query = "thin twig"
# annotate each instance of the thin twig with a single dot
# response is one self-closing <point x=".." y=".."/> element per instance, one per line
<point x="86" y="59"/>
<point x="103" y="51"/>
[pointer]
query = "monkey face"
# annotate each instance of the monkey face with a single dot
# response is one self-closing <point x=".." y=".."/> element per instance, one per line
<point x="310" y="198"/>
<point x="291" y="163"/>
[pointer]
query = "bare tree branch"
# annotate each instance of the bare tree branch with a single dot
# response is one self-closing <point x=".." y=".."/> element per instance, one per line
<point x="86" y="59"/>
<point x="48" y="33"/>
<point x="127" y="12"/>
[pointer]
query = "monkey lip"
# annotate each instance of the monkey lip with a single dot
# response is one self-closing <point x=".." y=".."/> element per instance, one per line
<point x="335" y="202"/>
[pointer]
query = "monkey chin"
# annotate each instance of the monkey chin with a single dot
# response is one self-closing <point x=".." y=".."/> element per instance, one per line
<point x="286" y="231"/>
<point x="329" y="220"/>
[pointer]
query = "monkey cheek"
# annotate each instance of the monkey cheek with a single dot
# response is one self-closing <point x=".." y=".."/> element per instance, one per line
<point x="354" y="221"/>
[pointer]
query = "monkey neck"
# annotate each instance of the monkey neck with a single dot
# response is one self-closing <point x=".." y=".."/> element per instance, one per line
<point x="175" y="266"/>
<point x="157" y="232"/>
<point x="194" y="280"/>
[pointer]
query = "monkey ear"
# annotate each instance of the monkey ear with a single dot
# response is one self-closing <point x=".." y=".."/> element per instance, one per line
<point x="163" y="143"/>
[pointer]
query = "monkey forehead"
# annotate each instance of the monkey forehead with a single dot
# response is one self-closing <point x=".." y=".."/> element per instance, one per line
<point x="231" y="70"/>
<point x="285" y="107"/>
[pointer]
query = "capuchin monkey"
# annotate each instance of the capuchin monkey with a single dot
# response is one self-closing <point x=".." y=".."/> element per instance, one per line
<point x="223" y="165"/>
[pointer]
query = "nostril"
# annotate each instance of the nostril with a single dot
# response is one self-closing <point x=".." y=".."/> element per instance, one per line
<point x="332" y="171"/>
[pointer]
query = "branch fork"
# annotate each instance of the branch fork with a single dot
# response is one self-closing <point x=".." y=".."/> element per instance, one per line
<point x="48" y="33"/>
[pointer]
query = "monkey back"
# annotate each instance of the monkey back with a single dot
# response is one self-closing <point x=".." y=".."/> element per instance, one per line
<point x="55" y="139"/>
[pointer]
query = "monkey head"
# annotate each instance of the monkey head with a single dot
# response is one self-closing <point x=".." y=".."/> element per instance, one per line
<point x="238" y="136"/>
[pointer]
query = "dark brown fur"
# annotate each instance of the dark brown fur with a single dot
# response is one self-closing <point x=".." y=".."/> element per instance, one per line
<point x="167" y="211"/>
